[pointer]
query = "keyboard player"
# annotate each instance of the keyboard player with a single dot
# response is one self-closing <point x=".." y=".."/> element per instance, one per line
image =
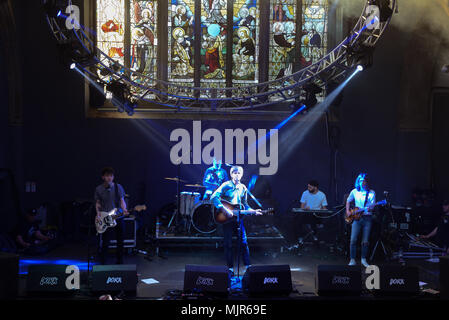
<point x="312" y="198"/>
<point x="304" y="223"/>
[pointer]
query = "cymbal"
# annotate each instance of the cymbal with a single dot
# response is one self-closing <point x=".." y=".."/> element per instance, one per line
<point x="195" y="185"/>
<point x="175" y="179"/>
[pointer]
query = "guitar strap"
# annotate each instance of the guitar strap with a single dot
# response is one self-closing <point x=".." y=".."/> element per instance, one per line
<point x="117" y="197"/>
<point x="366" y="198"/>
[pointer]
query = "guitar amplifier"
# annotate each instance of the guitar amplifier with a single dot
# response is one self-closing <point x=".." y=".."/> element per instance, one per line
<point x="47" y="278"/>
<point x="207" y="279"/>
<point x="268" y="279"/>
<point x="129" y="234"/>
<point x="114" y="277"/>
<point x="338" y="280"/>
<point x="398" y="280"/>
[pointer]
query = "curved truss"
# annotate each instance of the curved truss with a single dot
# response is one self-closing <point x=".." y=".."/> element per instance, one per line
<point x="334" y="66"/>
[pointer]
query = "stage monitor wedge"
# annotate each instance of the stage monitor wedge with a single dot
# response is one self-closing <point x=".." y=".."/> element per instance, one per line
<point x="115" y="277"/>
<point x="268" y="280"/>
<point x="212" y="279"/>
<point x="398" y="280"/>
<point x="46" y="279"/>
<point x="9" y="270"/>
<point x="332" y="280"/>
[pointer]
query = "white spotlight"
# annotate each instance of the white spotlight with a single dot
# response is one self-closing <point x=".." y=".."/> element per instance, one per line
<point x="360" y="67"/>
<point x="73" y="66"/>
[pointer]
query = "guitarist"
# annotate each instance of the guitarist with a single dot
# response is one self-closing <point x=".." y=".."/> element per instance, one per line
<point x="234" y="192"/>
<point x="363" y="197"/>
<point x="110" y="195"/>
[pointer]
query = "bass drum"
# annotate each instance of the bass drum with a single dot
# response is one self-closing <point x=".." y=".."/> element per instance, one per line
<point x="203" y="217"/>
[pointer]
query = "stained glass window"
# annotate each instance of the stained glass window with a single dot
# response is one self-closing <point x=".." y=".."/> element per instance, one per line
<point x="288" y="51"/>
<point x="214" y="31"/>
<point x="314" y="30"/>
<point x="111" y="28"/>
<point x="282" y="38"/>
<point x="245" y="52"/>
<point x="143" y="37"/>
<point x="181" y="36"/>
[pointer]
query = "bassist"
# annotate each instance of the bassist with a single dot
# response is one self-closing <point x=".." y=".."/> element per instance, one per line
<point x="363" y="197"/>
<point x="234" y="192"/>
<point x="110" y="195"/>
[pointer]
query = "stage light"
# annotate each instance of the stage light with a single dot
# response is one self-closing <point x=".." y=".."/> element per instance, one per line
<point x="73" y="66"/>
<point x="53" y="8"/>
<point x="385" y="9"/>
<point x="309" y="96"/>
<point x="121" y="97"/>
<point x="361" y="55"/>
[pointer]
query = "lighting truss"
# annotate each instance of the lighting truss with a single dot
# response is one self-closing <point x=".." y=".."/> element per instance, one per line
<point x="337" y="65"/>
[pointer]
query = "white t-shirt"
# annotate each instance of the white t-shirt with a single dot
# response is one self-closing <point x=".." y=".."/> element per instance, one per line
<point x="359" y="198"/>
<point x="314" y="201"/>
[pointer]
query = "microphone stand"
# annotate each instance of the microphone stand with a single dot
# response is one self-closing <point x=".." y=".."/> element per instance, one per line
<point x="254" y="198"/>
<point x="88" y="241"/>
<point x="239" y="240"/>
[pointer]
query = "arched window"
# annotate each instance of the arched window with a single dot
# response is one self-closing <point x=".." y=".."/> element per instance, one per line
<point x="213" y="43"/>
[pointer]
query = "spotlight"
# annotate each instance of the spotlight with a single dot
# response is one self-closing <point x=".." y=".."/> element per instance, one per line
<point x="73" y="66"/>
<point x="385" y="9"/>
<point x="311" y="90"/>
<point x="121" y="97"/>
<point x="361" y="55"/>
<point x="54" y="8"/>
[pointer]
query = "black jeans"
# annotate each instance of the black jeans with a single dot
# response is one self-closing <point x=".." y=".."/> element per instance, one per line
<point x="106" y="237"/>
<point x="228" y="230"/>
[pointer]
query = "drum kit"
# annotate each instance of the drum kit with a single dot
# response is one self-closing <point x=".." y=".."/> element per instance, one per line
<point x="190" y="211"/>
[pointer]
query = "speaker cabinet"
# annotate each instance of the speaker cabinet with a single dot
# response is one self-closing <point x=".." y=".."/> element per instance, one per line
<point x="268" y="279"/>
<point x="47" y="278"/>
<point x="338" y="280"/>
<point x="9" y="270"/>
<point x="444" y="277"/>
<point x="214" y="279"/>
<point x="114" y="277"/>
<point x="398" y="280"/>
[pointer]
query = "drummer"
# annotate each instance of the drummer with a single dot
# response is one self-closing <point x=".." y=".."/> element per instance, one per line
<point x="213" y="178"/>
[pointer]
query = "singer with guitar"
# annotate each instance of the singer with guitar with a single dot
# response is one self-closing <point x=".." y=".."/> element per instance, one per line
<point x="235" y="193"/>
<point x="110" y="195"/>
<point x="363" y="198"/>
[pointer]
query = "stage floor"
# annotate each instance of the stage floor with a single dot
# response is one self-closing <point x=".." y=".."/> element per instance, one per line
<point x="167" y="272"/>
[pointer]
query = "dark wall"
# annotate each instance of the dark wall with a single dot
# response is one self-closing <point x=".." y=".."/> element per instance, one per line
<point x="64" y="152"/>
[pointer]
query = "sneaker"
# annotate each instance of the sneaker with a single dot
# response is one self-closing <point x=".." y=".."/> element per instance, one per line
<point x="352" y="262"/>
<point x="364" y="263"/>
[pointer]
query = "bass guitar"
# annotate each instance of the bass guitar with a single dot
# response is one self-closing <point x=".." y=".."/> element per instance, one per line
<point x="108" y="219"/>
<point x="356" y="213"/>
<point x="222" y="215"/>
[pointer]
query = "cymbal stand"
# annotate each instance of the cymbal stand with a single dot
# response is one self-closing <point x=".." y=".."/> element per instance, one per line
<point x="178" y="201"/>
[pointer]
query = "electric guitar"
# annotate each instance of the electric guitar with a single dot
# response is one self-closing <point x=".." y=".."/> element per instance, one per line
<point x="356" y="213"/>
<point x="107" y="219"/>
<point x="223" y="216"/>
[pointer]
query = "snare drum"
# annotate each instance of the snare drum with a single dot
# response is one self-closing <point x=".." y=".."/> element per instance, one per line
<point x="188" y="200"/>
